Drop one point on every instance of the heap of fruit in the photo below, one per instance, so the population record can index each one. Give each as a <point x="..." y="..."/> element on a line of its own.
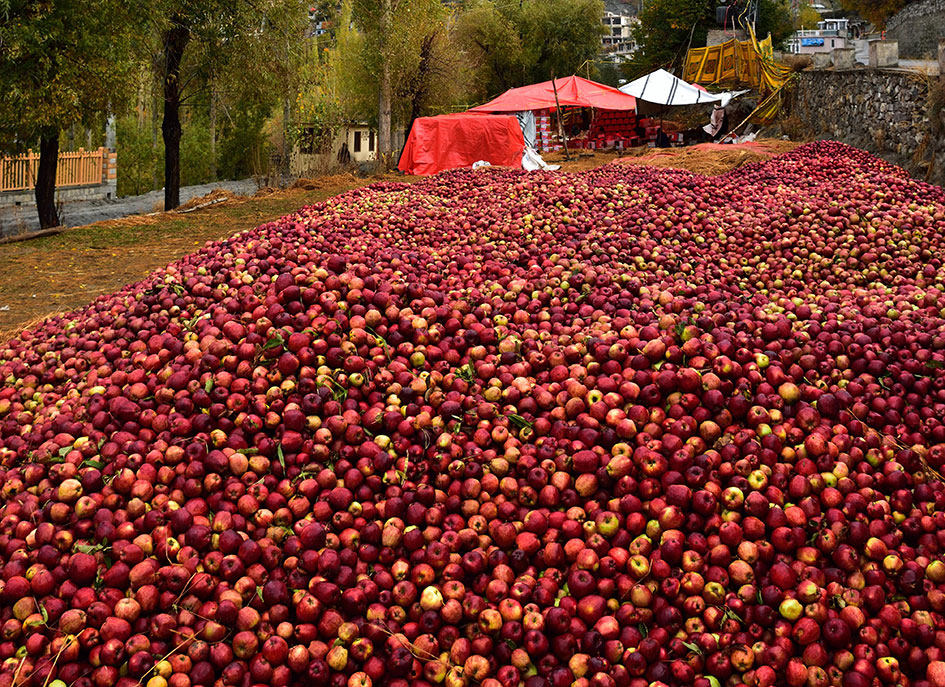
<point x="623" y="428"/>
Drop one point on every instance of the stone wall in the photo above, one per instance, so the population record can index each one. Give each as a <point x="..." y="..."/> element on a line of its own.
<point x="885" y="111"/>
<point x="918" y="28"/>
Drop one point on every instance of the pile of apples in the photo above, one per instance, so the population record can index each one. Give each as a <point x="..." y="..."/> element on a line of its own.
<point x="629" y="427"/>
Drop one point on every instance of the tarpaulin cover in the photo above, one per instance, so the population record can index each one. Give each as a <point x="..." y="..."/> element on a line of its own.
<point x="747" y="63"/>
<point x="459" y="140"/>
<point x="663" y="88"/>
<point x="573" y="91"/>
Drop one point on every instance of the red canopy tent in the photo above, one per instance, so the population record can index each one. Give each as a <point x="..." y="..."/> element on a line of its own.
<point x="459" y="140"/>
<point x="573" y="91"/>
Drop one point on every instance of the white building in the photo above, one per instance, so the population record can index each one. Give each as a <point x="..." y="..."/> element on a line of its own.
<point x="618" y="39"/>
<point x="353" y="144"/>
<point x="829" y="34"/>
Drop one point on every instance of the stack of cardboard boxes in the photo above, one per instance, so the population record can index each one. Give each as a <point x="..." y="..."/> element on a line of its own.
<point x="543" y="128"/>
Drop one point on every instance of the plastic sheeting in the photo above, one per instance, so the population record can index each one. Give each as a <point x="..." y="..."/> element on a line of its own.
<point x="459" y="140"/>
<point x="573" y="91"/>
<point x="532" y="161"/>
<point x="526" y="120"/>
<point x="662" y="88"/>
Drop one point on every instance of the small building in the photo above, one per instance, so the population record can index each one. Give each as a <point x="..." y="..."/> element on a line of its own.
<point x="353" y="144"/>
<point x="829" y="34"/>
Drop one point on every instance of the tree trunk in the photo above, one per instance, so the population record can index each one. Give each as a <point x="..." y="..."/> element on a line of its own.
<point x="285" y="163"/>
<point x="213" y="133"/>
<point x="156" y="99"/>
<point x="420" y="87"/>
<point x="175" y="40"/>
<point x="384" y="96"/>
<point x="46" y="180"/>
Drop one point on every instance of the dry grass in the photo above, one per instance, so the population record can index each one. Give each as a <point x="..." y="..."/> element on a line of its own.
<point x="797" y="62"/>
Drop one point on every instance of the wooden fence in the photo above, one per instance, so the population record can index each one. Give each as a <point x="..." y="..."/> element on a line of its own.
<point x="82" y="168"/>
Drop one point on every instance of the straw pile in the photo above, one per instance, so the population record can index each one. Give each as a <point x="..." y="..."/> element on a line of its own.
<point x="315" y="184"/>
<point x="217" y="194"/>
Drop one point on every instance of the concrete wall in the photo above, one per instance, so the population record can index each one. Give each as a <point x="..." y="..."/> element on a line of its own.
<point x="885" y="111"/>
<point x="918" y="28"/>
<point x="105" y="191"/>
<point x="719" y="36"/>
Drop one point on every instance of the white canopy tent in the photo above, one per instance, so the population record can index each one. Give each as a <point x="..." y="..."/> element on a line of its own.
<point x="662" y="88"/>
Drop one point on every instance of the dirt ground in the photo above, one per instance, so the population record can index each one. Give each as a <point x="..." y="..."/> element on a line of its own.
<point x="44" y="276"/>
<point x="709" y="158"/>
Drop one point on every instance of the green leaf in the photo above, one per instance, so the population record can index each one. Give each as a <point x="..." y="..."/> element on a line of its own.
<point x="281" y="458"/>
<point x="64" y="451"/>
<point x="208" y="385"/>
<point x="713" y="681"/>
<point x="519" y="421"/>
<point x="97" y="464"/>
<point x="274" y="341"/>
<point x="89" y="548"/>
<point x="694" y="648"/>
<point x="467" y="373"/>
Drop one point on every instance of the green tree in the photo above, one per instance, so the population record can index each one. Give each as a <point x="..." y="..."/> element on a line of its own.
<point x="513" y="44"/>
<point x="774" y="17"/>
<point x="666" y="30"/>
<point x="200" y="45"/>
<point x="493" y="40"/>
<point x="437" y="79"/>
<point x="388" y="50"/>
<point x="561" y="35"/>
<point x="62" y="63"/>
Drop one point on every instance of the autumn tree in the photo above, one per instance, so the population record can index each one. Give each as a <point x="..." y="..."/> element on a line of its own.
<point x="62" y="63"/>
<point x="807" y="17"/>
<point x="877" y="12"/>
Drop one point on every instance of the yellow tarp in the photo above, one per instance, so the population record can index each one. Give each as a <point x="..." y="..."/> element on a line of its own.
<point x="745" y="63"/>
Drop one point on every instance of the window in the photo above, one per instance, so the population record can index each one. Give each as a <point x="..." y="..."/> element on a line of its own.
<point x="370" y="146"/>
<point x="616" y="31"/>
<point x="306" y="141"/>
<point x="357" y="141"/>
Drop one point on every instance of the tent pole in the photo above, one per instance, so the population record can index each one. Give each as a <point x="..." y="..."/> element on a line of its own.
<point x="564" y="138"/>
